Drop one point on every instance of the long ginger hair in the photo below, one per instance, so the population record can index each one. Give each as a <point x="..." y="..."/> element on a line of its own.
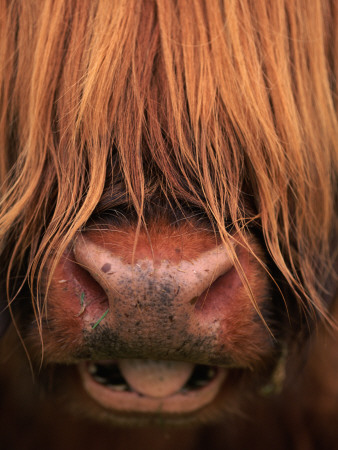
<point x="208" y="103"/>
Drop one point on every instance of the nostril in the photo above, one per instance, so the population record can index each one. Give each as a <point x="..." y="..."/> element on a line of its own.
<point x="221" y="290"/>
<point x="78" y="293"/>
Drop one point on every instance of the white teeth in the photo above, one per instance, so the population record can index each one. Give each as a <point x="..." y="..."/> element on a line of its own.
<point x="100" y="380"/>
<point x="201" y="383"/>
<point x="118" y="387"/>
<point x="92" y="369"/>
<point x="211" y="373"/>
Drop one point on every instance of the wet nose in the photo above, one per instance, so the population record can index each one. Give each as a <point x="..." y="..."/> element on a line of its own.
<point x="147" y="282"/>
<point x="163" y="307"/>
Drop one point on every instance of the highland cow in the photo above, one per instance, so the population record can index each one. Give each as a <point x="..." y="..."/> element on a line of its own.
<point x="168" y="224"/>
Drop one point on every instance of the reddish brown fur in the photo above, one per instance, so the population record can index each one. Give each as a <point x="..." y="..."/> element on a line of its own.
<point x="159" y="130"/>
<point x="166" y="243"/>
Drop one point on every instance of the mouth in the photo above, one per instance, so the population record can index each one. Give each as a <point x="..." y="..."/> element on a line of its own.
<point x="148" y="386"/>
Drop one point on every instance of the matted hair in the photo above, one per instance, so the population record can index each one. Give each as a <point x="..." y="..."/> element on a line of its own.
<point x="206" y="102"/>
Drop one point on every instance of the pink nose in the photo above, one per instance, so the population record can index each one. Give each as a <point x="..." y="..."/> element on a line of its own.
<point x="147" y="285"/>
<point x="156" y="306"/>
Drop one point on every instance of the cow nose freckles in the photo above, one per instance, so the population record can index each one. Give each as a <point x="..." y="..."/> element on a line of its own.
<point x="157" y="306"/>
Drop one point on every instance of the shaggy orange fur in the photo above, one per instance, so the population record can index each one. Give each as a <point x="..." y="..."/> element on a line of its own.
<point x="218" y="114"/>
